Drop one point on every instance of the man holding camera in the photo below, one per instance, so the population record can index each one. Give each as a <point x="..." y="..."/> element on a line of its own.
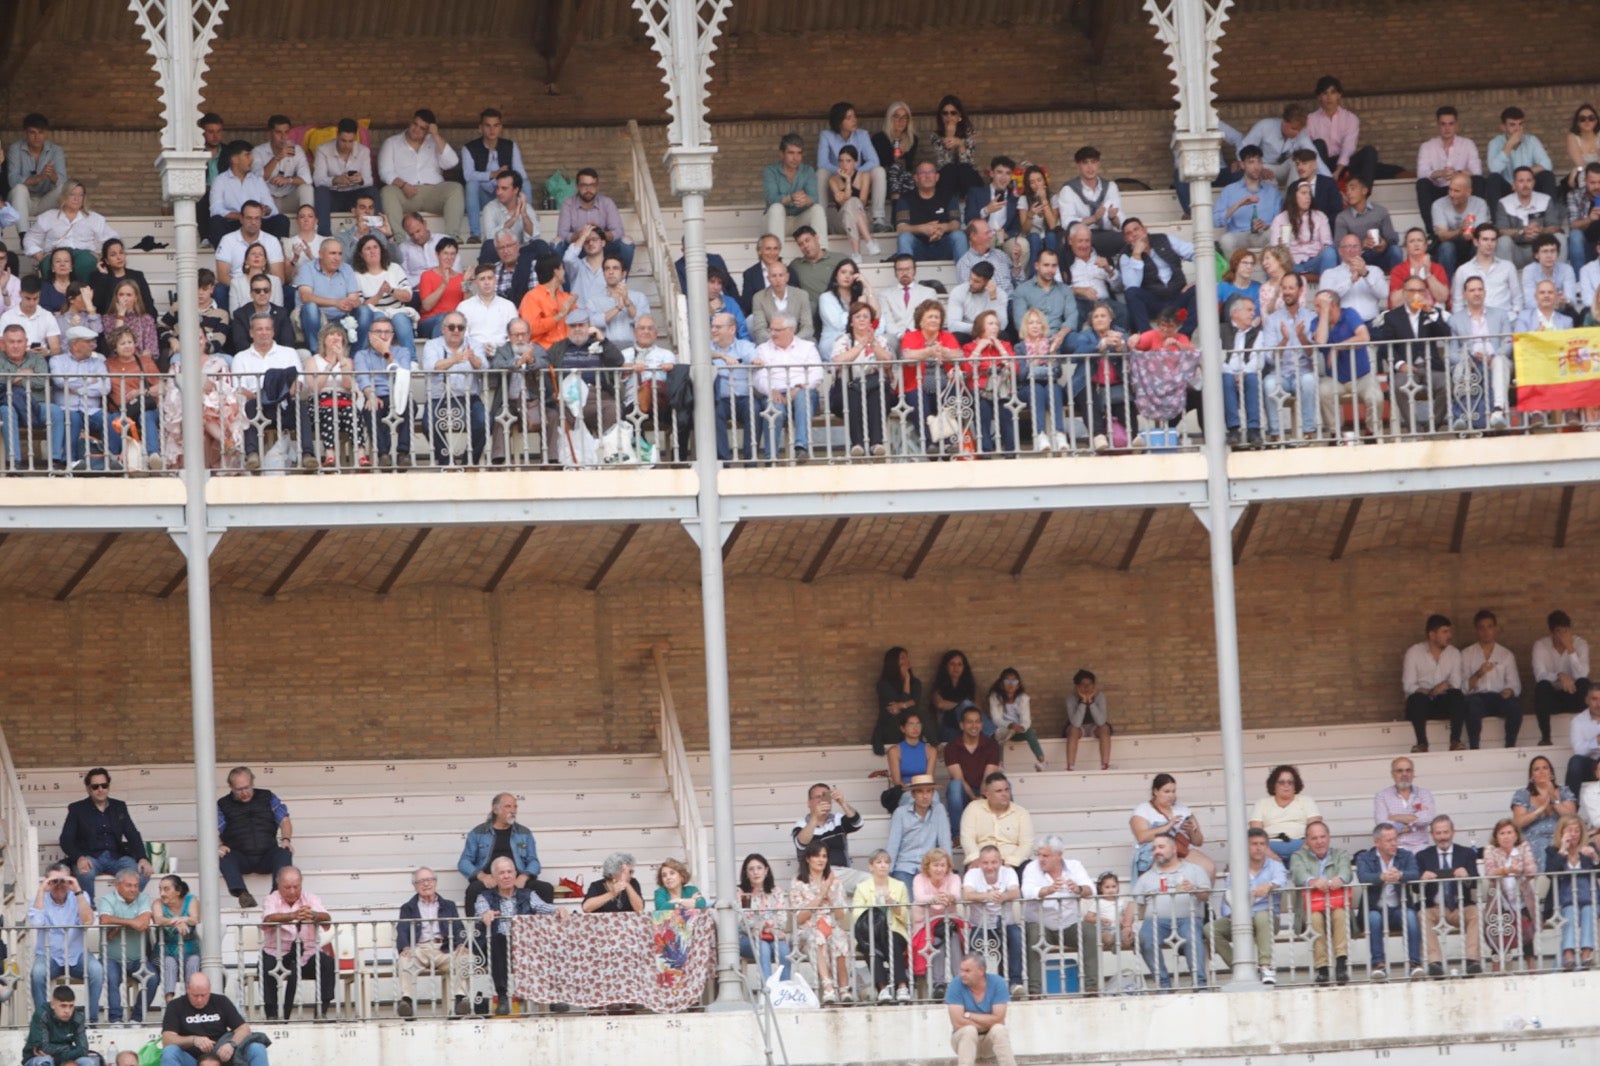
<point x="60" y="911"/>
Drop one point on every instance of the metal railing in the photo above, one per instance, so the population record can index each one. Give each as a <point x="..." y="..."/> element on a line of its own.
<point x="654" y="226"/>
<point x="1144" y="939"/>
<point x="680" y="778"/>
<point x="594" y="411"/>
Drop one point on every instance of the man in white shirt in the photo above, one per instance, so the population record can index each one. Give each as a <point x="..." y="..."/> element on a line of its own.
<point x="236" y="186"/>
<point x="789" y="371"/>
<point x="1501" y="289"/>
<point x="990" y="888"/>
<point x="897" y="303"/>
<point x="1584" y="733"/>
<point x="230" y="251"/>
<point x="283" y="165"/>
<point x="269" y="397"/>
<point x="1053" y="890"/>
<point x="1431" y="680"/>
<point x="70" y="225"/>
<point x="1090" y="199"/>
<point x="1493" y="686"/>
<point x="411" y="166"/>
<point x="1362" y="288"/>
<point x="44" y="332"/>
<point x="1524" y="216"/>
<point x="1480" y="362"/>
<point x="487" y="313"/>
<point x="979" y="293"/>
<point x="1289" y="329"/>
<point x="419" y="252"/>
<point x="1092" y="278"/>
<point x="1560" y="673"/>
<point x="341" y="170"/>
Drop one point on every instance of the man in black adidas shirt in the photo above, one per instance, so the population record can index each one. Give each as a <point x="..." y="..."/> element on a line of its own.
<point x="200" y="1023"/>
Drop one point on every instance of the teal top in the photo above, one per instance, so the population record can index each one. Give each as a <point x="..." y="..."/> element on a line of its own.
<point x="169" y="937"/>
<point x="688" y="895"/>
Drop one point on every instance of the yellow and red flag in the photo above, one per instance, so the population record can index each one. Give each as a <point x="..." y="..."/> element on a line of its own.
<point x="1558" y="370"/>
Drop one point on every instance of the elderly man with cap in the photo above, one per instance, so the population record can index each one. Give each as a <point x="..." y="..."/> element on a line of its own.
<point x="919" y="825"/>
<point x="80" y="384"/>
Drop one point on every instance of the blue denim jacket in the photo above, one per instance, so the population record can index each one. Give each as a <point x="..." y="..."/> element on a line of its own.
<point x="480" y="844"/>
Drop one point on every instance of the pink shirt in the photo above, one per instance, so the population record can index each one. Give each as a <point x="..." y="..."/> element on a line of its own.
<point x="1313" y="237"/>
<point x="1339" y="133"/>
<point x="277" y="938"/>
<point x="1461" y="155"/>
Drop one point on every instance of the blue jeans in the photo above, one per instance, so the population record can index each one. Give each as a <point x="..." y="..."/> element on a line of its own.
<point x="802" y="402"/>
<point x="1153" y="933"/>
<point x="91" y="1059"/>
<point x="955" y="801"/>
<point x="1385" y="260"/>
<point x="476" y="197"/>
<point x="46" y="970"/>
<point x="1305" y="400"/>
<point x="1383" y="920"/>
<point x="1579" y="250"/>
<point x="994" y="415"/>
<point x="117" y="973"/>
<point x="986" y="940"/>
<point x="905" y="879"/>
<point x="1252" y="400"/>
<point x="173" y="1055"/>
<point x="405" y="334"/>
<point x="1326" y="259"/>
<point x="92" y="423"/>
<point x="1284" y="849"/>
<point x="768" y="952"/>
<point x="33" y="415"/>
<point x="106" y="863"/>
<point x="950" y="246"/>
<point x="1047" y="402"/>
<point x="1577" y="926"/>
<point x="312" y="317"/>
<point x="741" y="411"/>
<point x="1038" y="242"/>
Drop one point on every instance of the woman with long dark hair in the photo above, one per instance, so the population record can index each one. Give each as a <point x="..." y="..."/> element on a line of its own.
<point x="955" y="149"/>
<point x="954" y="690"/>
<point x="846" y="288"/>
<point x="899" y="691"/>
<point x="858" y="379"/>
<point x="820" y="923"/>
<point x="764" y="928"/>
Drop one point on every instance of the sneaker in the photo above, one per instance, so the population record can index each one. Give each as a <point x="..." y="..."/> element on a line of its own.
<point x="878" y="451"/>
<point x="1253" y="438"/>
<point x="1378" y="974"/>
<point x="1018" y="991"/>
<point x="404" y="1009"/>
<point x="857" y="451"/>
<point x="1498" y="420"/>
<point x="1420" y="749"/>
<point x="872" y="248"/>
<point x="1536" y="420"/>
<point x="1101" y="442"/>
<point x="902" y="994"/>
<point x="246" y="900"/>
<point x="847" y="996"/>
<point x="1061" y="442"/>
<point x="154" y="463"/>
<point x="829" y="997"/>
<point x="880" y="225"/>
<point x="885" y="994"/>
<point x="1038" y="766"/>
<point x="1458" y="424"/>
<point x="1042" y="442"/>
<point x="309" y="462"/>
<point x="1269" y="976"/>
<point x="1417" y="972"/>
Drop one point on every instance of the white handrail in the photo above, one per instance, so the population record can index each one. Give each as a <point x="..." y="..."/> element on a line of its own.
<point x="21" y="865"/>
<point x="680" y="779"/>
<point x="648" y="205"/>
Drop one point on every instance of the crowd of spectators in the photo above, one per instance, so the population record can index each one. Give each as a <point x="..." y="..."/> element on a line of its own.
<point x="1321" y="297"/>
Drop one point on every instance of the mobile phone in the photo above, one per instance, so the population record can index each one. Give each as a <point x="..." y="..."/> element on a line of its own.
<point x="373" y="220"/>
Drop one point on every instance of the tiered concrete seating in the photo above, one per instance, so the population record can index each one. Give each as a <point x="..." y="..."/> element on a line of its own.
<point x="361" y="828"/>
<point x="1343" y="766"/>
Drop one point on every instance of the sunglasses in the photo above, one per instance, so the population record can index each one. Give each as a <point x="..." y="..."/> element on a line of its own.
<point x="1588" y="118"/>
<point x="98" y="785"/>
<point x="453" y="326"/>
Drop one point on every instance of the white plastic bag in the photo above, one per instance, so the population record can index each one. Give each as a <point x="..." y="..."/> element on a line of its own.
<point x="793" y="994"/>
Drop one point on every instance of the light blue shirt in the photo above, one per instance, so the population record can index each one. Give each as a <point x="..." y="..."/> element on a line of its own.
<point x="20" y="165"/>
<point x="373" y="371"/>
<point x="1132" y="270"/>
<point x="335" y="286"/>
<point x="1239" y="222"/>
<point x="1276" y="149"/>
<point x="1529" y="152"/>
<point x="1271" y="873"/>
<point x="63" y="945"/>
<point x="829" y="143"/>
<point x="911" y="835"/>
<point x="731" y="382"/>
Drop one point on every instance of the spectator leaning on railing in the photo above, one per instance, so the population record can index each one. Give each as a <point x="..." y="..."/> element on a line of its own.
<point x="59" y="913"/>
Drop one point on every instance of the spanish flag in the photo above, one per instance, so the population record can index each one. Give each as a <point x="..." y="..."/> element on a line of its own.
<point x="1558" y="370"/>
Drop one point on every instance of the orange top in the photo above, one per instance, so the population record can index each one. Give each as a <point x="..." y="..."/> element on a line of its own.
<point x="539" y="310"/>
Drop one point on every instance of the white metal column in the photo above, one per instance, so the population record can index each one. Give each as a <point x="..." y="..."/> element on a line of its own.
<point x="1190" y="30"/>
<point x="179" y="33"/>
<point x="684" y="34"/>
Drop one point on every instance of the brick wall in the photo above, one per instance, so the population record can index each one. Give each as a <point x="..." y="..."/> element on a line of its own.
<point x="436" y="671"/>
<point x="766" y="84"/>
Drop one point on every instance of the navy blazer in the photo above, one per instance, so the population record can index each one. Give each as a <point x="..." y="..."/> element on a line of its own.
<point x="77" y="838"/>
<point x="1369" y="868"/>
<point x="1462" y="857"/>
<point x="450" y="927"/>
<point x="982" y="195"/>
